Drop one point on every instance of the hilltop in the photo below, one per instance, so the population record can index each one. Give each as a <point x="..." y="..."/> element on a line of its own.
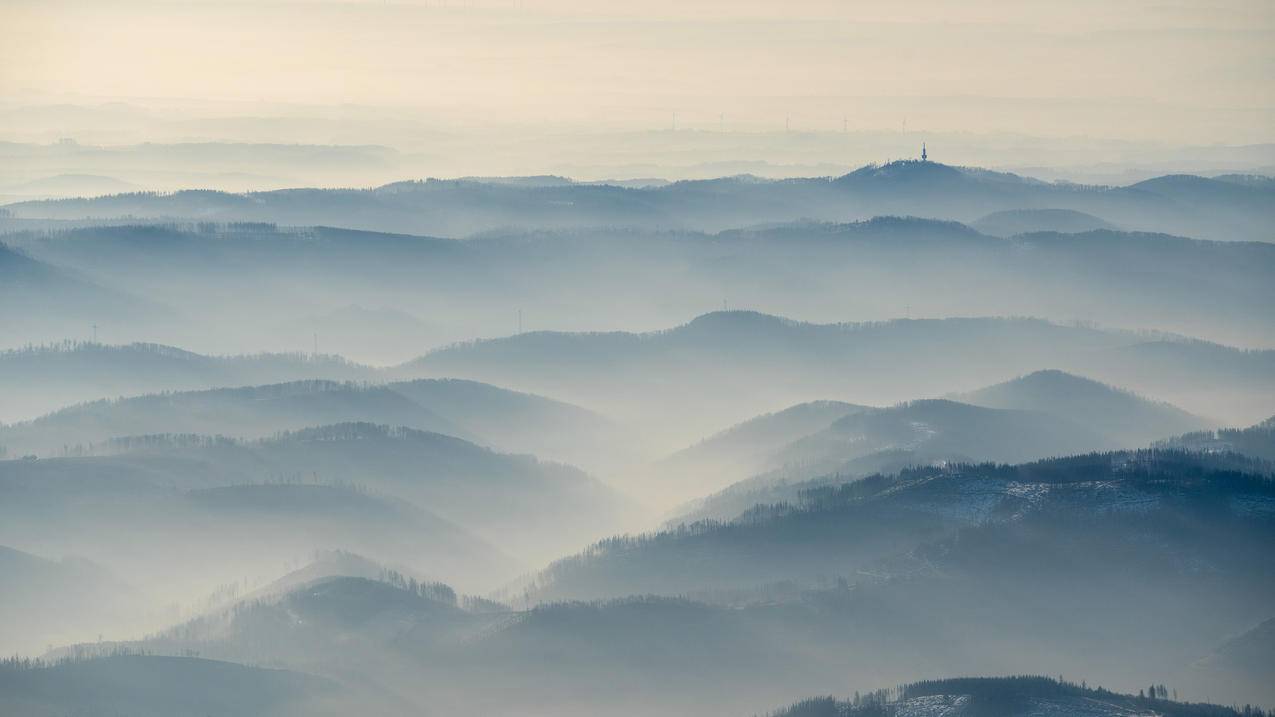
<point x="1123" y="416"/>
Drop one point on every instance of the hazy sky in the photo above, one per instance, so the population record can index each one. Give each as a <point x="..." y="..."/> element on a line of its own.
<point x="1181" y="71"/>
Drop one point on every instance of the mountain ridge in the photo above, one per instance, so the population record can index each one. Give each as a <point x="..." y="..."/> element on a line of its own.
<point x="905" y="186"/>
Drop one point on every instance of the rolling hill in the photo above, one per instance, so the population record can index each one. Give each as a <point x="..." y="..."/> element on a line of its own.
<point x="1128" y="419"/>
<point x="523" y="422"/>
<point x="251" y="412"/>
<point x="180" y="530"/>
<point x="742" y="363"/>
<point x="940" y="430"/>
<point x="498" y="417"/>
<point x="831" y="527"/>
<point x="1028" y="221"/>
<point x="534" y="509"/>
<point x="40" y="379"/>
<point x="1046" y="413"/>
<point x="867" y="440"/>
<point x="746" y="448"/>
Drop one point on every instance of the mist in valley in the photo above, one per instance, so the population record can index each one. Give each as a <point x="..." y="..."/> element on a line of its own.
<point x="564" y="358"/>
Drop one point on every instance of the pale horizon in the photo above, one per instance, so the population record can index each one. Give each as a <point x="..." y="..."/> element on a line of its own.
<point x="1185" y="73"/>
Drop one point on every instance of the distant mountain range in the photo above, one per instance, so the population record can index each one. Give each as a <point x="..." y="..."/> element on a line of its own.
<point x="40" y="379"/>
<point x="68" y="185"/>
<point x="280" y="281"/>
<point x="636" y="375"/>
<point x="493" y="416"/>
<point x="248" y="412"/>
<point x="742" y="363"/>
<point x="1197" y="206"/>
